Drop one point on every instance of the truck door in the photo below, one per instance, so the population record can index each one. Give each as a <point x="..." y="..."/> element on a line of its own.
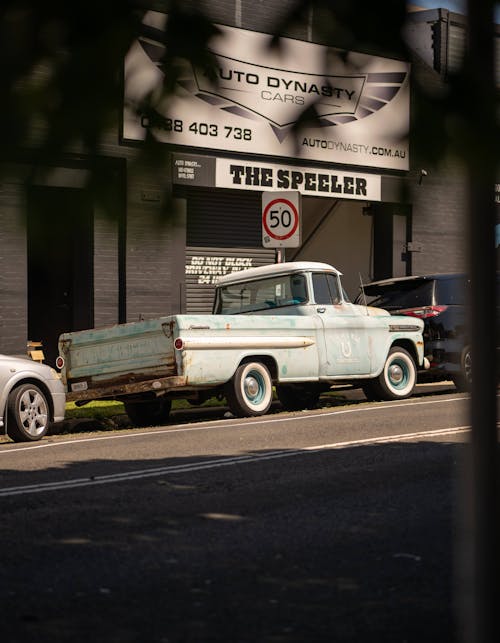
<point x="346" y="349"/>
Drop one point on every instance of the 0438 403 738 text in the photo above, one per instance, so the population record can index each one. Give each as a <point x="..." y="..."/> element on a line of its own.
<point x="198" y="128"/>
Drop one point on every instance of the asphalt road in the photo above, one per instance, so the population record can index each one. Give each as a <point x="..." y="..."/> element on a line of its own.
<point x="333" y="525"/>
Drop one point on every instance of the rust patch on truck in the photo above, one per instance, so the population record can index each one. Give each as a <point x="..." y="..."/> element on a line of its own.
<point x="117" y="389"/>
<point x="168" y="329"/>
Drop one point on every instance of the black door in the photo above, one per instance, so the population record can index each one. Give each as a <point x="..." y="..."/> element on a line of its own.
<point x="60" y="264"/>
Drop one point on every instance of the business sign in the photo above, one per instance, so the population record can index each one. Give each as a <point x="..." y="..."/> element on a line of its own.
<point x="207" y="171"/>
<point x="309" y="181"/>
<point x="281" y="220"/>
<point x="362" y="101"/>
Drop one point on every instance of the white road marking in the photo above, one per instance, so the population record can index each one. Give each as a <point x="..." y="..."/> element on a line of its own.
<point x="228" y="424"/>
<point x="219" y="462"/>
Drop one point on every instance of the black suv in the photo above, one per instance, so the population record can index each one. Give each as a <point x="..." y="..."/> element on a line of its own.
<point x="440" y="301"/>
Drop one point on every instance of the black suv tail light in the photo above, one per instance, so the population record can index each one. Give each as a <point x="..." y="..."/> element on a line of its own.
<point x="424" y="312"/>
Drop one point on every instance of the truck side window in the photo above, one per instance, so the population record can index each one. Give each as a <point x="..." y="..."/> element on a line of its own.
<point x="325" y="289"/>
<point x="333" y="285"/>
<point x="299" y="293"/>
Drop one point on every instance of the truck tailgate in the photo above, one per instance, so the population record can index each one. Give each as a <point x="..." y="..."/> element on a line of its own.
<point x="123" y="353"/>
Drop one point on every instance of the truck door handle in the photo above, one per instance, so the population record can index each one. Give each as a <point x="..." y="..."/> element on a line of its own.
<point x="320" y="310"/>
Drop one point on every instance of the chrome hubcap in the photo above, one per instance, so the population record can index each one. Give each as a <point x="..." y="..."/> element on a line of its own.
<point x="396" y="373"/>
<point x="251" y="386"/>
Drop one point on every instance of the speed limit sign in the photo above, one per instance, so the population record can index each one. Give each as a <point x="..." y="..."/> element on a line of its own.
<point x="281" y="219"/>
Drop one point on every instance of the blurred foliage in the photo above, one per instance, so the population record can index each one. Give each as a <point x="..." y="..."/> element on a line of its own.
<point x="61" y="65"/>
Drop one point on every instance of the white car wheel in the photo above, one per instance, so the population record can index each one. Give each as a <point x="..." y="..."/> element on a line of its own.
<point x="28" y="414"/>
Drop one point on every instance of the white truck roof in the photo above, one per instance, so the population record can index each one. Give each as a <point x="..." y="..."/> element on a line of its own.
<point x="276" y="269"/>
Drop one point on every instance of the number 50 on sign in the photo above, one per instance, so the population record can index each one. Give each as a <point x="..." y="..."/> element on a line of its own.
<point x="281" y="220"/>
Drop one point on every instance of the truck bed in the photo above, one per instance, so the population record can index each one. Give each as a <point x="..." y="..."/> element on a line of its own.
<point x="107" y="362"/>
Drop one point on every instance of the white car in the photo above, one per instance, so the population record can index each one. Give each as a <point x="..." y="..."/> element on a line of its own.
<point x="32" y="396"/>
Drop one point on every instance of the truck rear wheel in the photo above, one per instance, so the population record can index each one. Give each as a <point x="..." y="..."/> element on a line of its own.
<point x="148" y="412"/>
<point x="250" y="391"/>
<point x="397" y="379"/>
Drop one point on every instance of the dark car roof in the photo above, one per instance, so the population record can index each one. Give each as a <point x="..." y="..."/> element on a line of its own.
<point x="438" y="276"/>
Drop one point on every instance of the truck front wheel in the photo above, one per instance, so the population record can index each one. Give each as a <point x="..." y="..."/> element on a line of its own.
<point x="148" y="412"/>
<point x="250" y="391"/>
<point x="398" y="377"/>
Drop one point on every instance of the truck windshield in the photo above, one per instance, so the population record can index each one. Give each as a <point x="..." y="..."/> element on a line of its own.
<point x="261" y="294"/>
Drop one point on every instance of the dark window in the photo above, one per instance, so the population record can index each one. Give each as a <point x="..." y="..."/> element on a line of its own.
<point x="325" y="289"/>
<point x="414" y="293"/>
<point x="402" y="294"/>
<point x="452" y="291"/>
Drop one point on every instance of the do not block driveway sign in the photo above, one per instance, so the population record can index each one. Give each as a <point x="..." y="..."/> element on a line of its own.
<point x="281" y="219"/>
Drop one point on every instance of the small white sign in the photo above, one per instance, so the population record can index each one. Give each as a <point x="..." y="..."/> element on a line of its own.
<point x="281" y="224"/>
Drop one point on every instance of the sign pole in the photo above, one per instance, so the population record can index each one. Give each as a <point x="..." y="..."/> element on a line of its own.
<point x="279" y="255"/>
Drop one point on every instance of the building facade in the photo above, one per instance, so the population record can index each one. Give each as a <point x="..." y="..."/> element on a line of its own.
<point x="155" y="239"/>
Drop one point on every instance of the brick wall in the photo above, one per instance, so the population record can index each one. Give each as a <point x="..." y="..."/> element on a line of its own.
<point x="254" y="15"/>
<point x="13" y="268"/>
<point x="151" y="250"/>
<point x="438" y="199"/>
<point x="105" y="270"/>
<point x="439" y="220"/>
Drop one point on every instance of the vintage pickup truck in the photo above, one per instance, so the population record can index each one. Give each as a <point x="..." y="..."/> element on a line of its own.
<point x="287" y="327"/>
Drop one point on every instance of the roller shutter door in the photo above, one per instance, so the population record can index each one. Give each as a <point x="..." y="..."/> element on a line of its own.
<point x="223" y="234"/>
<point x="224" y="218"/>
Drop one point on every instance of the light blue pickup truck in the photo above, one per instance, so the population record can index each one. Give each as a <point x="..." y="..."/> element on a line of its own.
<point x="287" y="326"/>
